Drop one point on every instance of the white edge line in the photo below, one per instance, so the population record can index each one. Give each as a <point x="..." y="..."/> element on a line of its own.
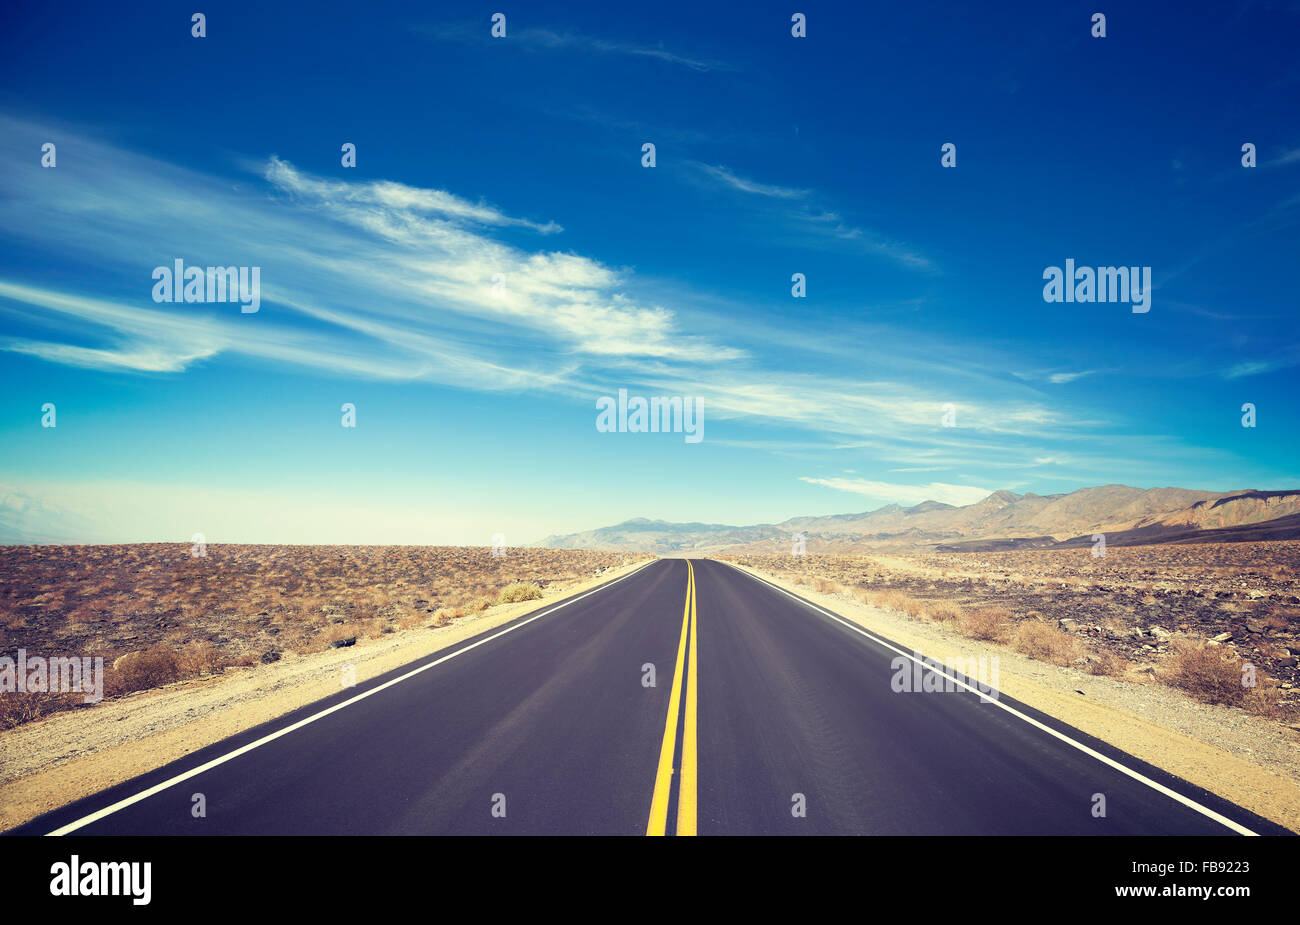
<point x="1140" y="778"/>
<point x="229" y="756"/>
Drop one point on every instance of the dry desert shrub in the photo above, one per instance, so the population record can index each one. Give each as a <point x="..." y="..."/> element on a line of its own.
<point x="336" y="631"/>
<point x="198" y="658"/>
<point x="943" y="611"/>
<point x="1264" y="698"/>
<point x="1105" y="663"/>
<point x="987" y="623"/>
<point x="1045" y="643"/>
<point x="412" y="619"/>
<point x="890" y="600"/>
<point x="137" y="671"/>
<point x="914" y="607"/>
<point x="297" y="638"/>
<point x="306" y="641"/>
<point x="519" y="591"/>
<point x="1208" y="673"/>
<point x="18" y="707"/>
<point x="163" y="663"/>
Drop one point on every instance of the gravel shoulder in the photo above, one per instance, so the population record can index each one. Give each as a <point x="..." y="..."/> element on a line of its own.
<point x="1251" y="761"/>
<point x="69" y="755"/>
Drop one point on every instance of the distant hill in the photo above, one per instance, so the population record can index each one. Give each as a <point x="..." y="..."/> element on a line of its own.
<point x="1003" y="520"/>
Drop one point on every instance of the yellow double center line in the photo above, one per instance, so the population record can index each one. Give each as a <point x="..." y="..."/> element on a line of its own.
<point x="686" y="787"/>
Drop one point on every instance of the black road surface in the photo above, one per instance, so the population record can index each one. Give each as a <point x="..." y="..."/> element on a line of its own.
<point x="788" y="722"/>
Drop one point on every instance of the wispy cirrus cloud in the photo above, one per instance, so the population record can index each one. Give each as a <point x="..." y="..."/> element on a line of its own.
<point x="542" y="39"/>
<point x="396" y="199"/>
<point x="797" y="208"/>
<point x="1259" y="367"/>
<point x="745" y="185"/>
<point x="830" y="224"/>
<point x="552" y="40"/>
<point x="414" y="270"/>
<point x="957" y="495"/>
<point x="1291" y="156"/>
<point x="1063" y="378"/>
<point x="384" y="281"/>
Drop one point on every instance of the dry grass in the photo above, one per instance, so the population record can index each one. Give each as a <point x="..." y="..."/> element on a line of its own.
<point x="1208" y="673"/>
<point x="1105" y="663"/>
<point x="1128" y="609"/>
<point x="519" y="591"/>
<point x="891" y="600"/>
<point x="18" y="708"/>
<point x="1213" y="675"/>
<point x="991" y="624"/>
<point x="943" y="611"/>
<point x="1045" y="643"/>
<point x="914" y="607"/>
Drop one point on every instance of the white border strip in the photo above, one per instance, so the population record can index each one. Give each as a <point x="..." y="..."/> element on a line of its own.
<point x="1140" y="778"/>
<point x="230" y="756"/>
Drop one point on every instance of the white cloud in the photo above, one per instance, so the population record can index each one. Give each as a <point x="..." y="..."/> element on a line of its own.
<point x="386" y="281"/>
<point x="906" y="495"/>
<point x="1257" y="367"/>
<point x="396" y="199"/>
<point x="540" y="39"/>
<point x="1062" y="378"/>
<point x="831" y="225"/>
<point x="411" y="268"/>
<point x="725" y="176"/>
<point x="819" y="224"/>
<point x="1286" y="157"/>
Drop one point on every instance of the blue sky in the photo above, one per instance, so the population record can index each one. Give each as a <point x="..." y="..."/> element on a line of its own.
<point x="522" y="156"/>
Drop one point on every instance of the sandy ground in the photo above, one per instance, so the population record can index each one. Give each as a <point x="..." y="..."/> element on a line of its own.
<point x="69" y="755"/>
<point x="1253" y="762"/>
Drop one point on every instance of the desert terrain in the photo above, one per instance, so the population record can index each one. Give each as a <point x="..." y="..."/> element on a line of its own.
<point x="1199" y="617"/>
<point x="156" y="613"/>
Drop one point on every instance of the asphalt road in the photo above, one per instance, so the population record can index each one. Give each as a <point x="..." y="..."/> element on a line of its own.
<point x="766" y="715"/>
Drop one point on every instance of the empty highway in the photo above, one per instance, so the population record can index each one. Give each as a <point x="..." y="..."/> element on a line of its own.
<point x="687" y="697"/>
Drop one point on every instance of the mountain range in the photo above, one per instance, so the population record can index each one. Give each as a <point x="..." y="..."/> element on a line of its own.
<point x="1003" y="520"/>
